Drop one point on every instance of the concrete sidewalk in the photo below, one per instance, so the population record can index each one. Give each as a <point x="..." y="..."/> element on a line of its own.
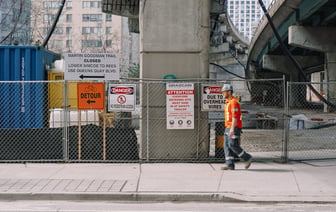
<point x="309" y="181"/>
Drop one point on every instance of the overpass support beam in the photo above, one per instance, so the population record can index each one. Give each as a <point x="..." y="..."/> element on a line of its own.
<point x="318" y="39"/>
<point x="283" y="64"/>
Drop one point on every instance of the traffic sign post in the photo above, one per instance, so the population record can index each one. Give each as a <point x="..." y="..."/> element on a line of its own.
<point x="90" y="96"/>
<point x="91" y="66"/>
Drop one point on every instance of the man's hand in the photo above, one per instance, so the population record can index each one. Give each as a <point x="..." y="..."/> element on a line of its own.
<point x="231" y="133"/>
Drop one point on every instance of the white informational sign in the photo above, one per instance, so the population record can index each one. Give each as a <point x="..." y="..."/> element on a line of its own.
<point x="180" y="105"/>
<point x="121" y="97"/>
<point x="212" y="98"/>
<point x="91" y="66"/>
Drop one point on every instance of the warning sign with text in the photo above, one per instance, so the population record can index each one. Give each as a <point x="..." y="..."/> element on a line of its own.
<point x="91" y="66"/>
<point x="121" y="97"/>
<point x="91" y="96"/>
<point x="212" y="98"/>
<point x="180" y="105"/>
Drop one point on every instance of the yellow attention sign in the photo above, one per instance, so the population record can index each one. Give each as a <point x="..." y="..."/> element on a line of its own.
<point x="91" y="96"/>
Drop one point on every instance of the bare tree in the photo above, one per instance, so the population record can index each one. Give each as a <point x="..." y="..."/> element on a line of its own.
<point x="37" y="35"/>
<point x="15" y="22"/>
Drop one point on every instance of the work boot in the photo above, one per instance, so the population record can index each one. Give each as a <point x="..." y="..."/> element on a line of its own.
<point x="248" y="163"/>
<point x="226" y="167"/>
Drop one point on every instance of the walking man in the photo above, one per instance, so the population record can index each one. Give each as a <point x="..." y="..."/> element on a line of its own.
<point x="233" y="127"/>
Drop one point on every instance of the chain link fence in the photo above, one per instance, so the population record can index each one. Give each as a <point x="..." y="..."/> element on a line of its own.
<point x="45" y="121"/>
<point x="42" y="121"/>
<point x="312" y="123"/>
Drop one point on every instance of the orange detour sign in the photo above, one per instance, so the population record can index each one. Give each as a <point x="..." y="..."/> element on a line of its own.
<point x="91" y="96"/>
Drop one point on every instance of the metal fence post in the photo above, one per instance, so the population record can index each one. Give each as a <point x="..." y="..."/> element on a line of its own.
<point x="65" y="122"/>
<point x="198" y="115"/>
<point x="284" y="156"/>
<point x="147" y="130"/>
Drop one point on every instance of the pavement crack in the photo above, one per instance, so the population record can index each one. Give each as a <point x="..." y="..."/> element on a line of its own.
<point x="139" y="178"/>
<point x="123" y="185"/>
<point x="296" y="181"/>
<point x="220" y="182"/>
<point x="212" y="166"/>
<point x="55" y="173"/>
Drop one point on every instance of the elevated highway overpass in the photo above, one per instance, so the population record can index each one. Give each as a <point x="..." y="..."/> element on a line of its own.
<point x="307" y="28"/>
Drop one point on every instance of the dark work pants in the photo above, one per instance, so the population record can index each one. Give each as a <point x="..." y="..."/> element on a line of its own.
<point x="232" y="147"/>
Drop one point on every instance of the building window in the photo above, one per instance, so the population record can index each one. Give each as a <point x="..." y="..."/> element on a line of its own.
<point x="91" y="43"/>
<point x="108" y="43"/>
<point x="91" y="30"/>
<point x="92" y="17"/>
<point x="48" y="18"/>
<point x="45" y="30"/>
<point x="108" y="17"/>
<point x="69" y="18"/>
<point x="91" y="4"/>
<point x="51" y="4"/>
<point x="108" y="30"/>
<point x="57" y="44"/>
<point x="69" y="30"/>
<point x="61" y="19"/>
<point x="69" y="4"/>
<point x="68" y="43"/>
<point x="58" y="30"/>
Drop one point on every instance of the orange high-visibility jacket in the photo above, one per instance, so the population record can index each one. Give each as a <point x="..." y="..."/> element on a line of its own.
<point x="232" y="109"/>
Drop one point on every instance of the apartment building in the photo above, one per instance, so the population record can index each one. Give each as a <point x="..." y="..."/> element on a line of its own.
<point x="83" y="27"/>
<point x="246" y="14"/>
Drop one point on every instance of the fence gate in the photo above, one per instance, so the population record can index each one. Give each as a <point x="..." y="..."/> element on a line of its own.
<point x="312" y="123"/>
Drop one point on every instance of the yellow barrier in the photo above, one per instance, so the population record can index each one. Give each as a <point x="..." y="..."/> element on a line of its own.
<point x="56" y="92"/>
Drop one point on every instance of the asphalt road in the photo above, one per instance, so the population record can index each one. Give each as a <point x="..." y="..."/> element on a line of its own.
<point x="103" y="206"/>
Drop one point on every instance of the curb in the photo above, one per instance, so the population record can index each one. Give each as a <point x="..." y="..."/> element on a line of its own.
<point x="171" y="197"/>
<point x="146" y="197"/>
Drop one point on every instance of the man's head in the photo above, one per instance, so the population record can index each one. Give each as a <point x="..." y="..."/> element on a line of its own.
<point x="227" y="90"/>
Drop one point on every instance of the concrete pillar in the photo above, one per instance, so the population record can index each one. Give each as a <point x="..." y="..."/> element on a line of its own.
<point x="318" y="39"/>
<point x="174" y="40"/>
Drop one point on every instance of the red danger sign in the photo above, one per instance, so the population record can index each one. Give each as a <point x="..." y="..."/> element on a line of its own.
<point x="121" y="90"/>
<point x="211" y="90"/>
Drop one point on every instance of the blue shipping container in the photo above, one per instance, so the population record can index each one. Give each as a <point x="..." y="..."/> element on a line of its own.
<point x="24" y="104"/>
